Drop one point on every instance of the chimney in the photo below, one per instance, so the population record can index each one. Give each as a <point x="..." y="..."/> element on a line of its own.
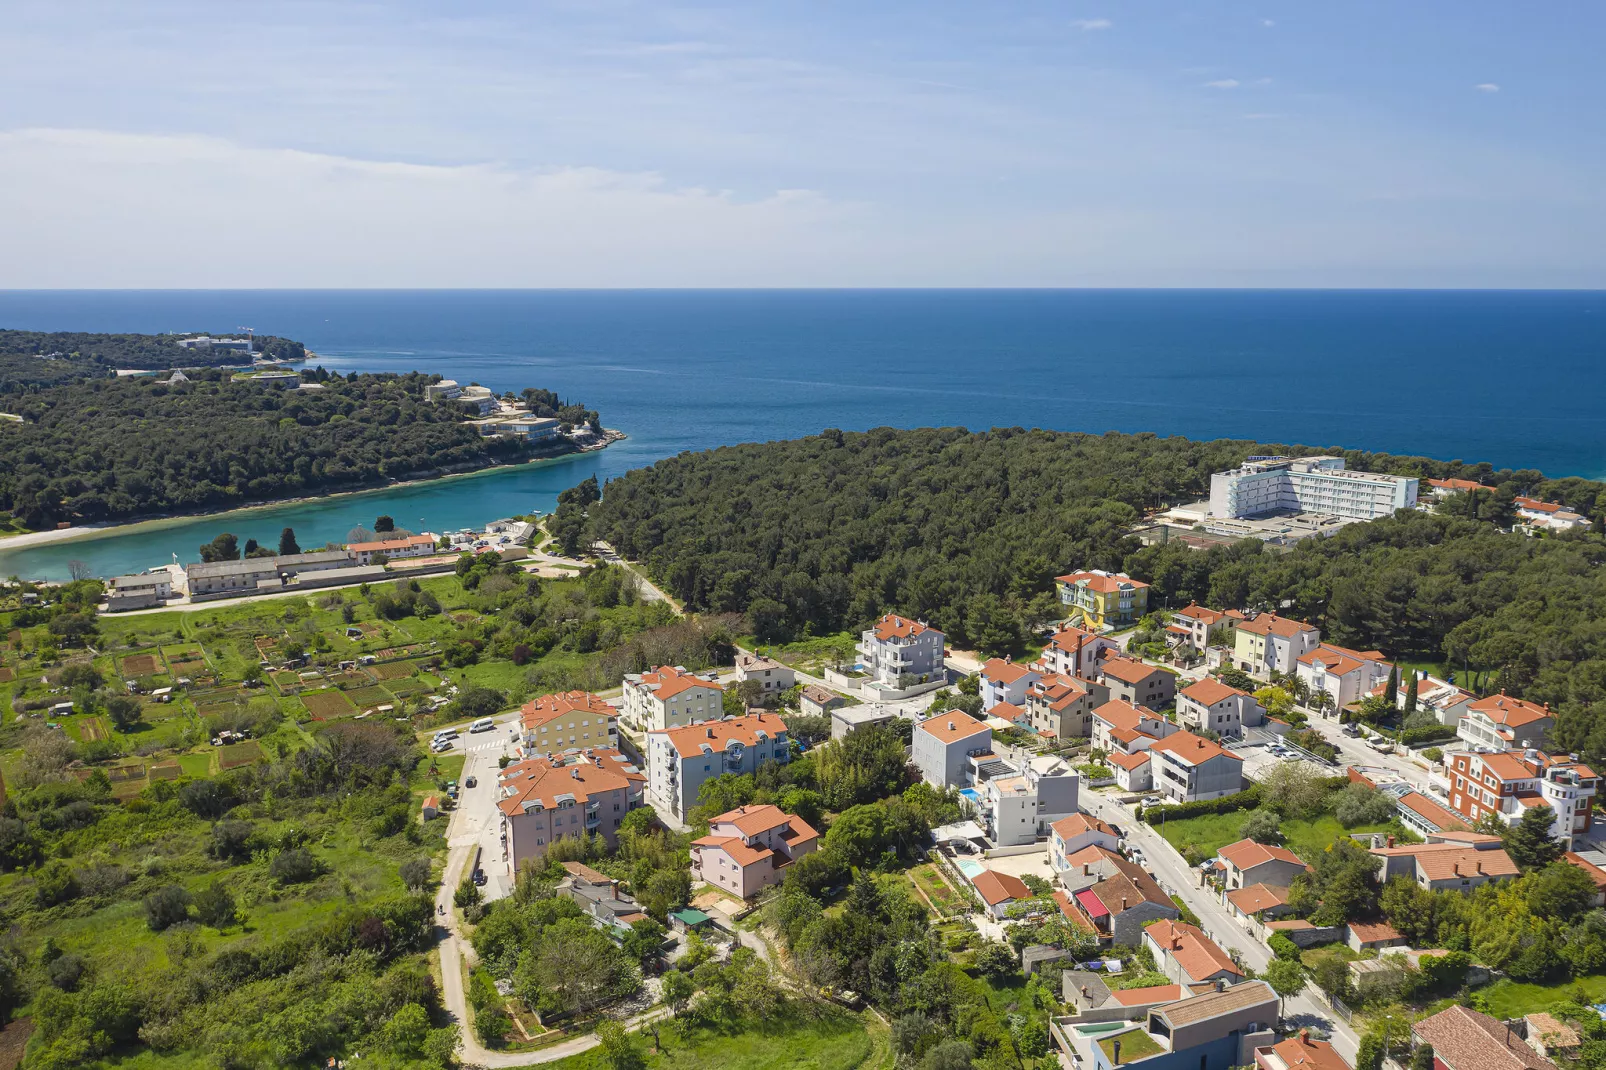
<point x="1115" y="1048"/>
<point x="950" y="726"/>
<point x="1304" y="1036"/>
<point x="1478" y="867"/>
<point x="1391" y="841"/>
<point x="709" y="732"/>
<point x="1123" y="902"/>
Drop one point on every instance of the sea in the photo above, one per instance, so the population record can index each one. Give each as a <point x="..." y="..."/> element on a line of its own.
<point x="1516" y="378"/>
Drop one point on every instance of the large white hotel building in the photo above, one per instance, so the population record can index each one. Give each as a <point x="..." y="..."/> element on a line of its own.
<point x="1308" y="485"/>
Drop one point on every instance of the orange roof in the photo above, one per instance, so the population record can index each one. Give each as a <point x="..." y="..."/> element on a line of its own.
<point x="1509" y="711"/>
<point x="1194" y="952"/>
<point x="1076" y="824"/>
<point x="1466" y="862"/>
<point x="390" y="544"/>
<point x="1127" y="761"/>
<point x="1455" y="484"/>
<point x="1331" y="660"/>
<point x="1072" y="913"/>
<point x="432" y="802"/>
<point x="1537" y="506"/>
<point x="1005" y="672"/>
<point x="1469" y="1040"/>
<point x="1093" y="854"/>
<point x="753" y="820"/>
<point x="1258" y="897"/>
<point x="1058" y="691"/>
<point x="998" y="888"/>
<point x="1127" y="889"/>
<point x="1507" y="766"/>
<point x="1194" y="611"/>
<point x="1128" y="670"/>
<point x="1068" y="639"/>
<point x="1122" y="715"/>
<point x="1007" y="711"/>
<point x="550" y="707"/>
<point x="1272" y="624"/>
<point x="1209" y="691"/>
<point x="1192" y="749"/>
<point x="689" y="740"/>
<point x="667" y="681"/>
<point x="1300" y="1052"/>
<point x="1430" y="811"/>
<point x="953" y="726"/>
<point x="740" y="852"/>
<point x="1102" y="583"/>
<point x="542" y="783"/>
<point x="1594" y="872"/>
<point x="585" y="872"/>
<point x="1137" y="997"/>
<point x="1247" y="854"/>
<point x="893" y="626"/>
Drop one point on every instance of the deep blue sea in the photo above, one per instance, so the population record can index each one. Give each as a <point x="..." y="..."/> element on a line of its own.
<point x="1512" y="377"/>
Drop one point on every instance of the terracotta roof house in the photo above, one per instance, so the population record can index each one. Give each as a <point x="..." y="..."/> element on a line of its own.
<point x="1211" y="704"/>
<point x="1077" y="652"/>
<point x="1186" y="955"/>
<point x="1187" y="768"/>
<point x="1372" y="935"/>
<point x="670" y="697"/>
<point x="1300" y="1052"/>
<point x="1091" y="865"/>
<point x="1263" y="900"/>
<point x="1593" y="872"/>
<point x="1138" y="683"/>
<point x="1061" y="706"/>
<point x="1071" y="834"/>
<point x="1133" y="772"/>
<point x="1504" y="721"/>
<point x="1547" y="1034"/>
<point x="748" y="849"/>
<point x="896" y="649"/>
<point x="680" y="760"/>
<point x="1247" y="862"/>
<point x="1122" y="904"/>
<point x="575" y="793"/>
<point x="568" y="719"/>
<point x="999" y="890"/>
<point x="1122" y="726"/>
<point x="1426" y="817"/>
<point x="1465" y="1039"/>
<point x="1003" y="680"/>
<point x="943" y="744"/>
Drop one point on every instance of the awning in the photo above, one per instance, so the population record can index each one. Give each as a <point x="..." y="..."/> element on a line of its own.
<point x="1091" y="904"/>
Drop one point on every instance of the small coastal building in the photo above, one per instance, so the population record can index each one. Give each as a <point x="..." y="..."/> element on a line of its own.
<point x="139" y="591"/>
<point x="1300" y="1052"/>
<point x="568" y="719"/>
<point x="1549" y="516"/>
<point x="393" y="549"/>
<point x="1119" y="907"/>
<point x="999" y="891"/>
<point x="770" y="674"/>
<point x="944" y="744"/>
<point x="1133" y="772"/>
<point x="231" y="577"/>
<point x="1089" y="866"/>
<point x="1102" y="601"/>
<point x="669" y="696"/>
<point x="898" y="650"/>
<point x="681" y="759"/>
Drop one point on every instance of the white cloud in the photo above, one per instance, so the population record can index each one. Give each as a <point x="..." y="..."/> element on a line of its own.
<point x="184" y="211"/>
<point x="1487" y="87"/>
<point x="1092" y="24"/>
<point x="1268" y="22"/>
<point x="1223" y="83"/>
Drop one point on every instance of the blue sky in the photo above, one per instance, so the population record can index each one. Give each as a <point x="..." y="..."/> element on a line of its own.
<point x="827" y="144"/>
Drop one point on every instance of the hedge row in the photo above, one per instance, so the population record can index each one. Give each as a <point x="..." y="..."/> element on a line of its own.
<point x="1432" y="733"/>
<point x="1243" y="800"/>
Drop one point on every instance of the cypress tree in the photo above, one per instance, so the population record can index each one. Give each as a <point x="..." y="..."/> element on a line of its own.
<point x="1410" y="695"/>
<point x="1392" y="690"/>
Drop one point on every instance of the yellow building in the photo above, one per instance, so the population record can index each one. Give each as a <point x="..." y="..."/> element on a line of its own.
<point x="1103" y="601"/>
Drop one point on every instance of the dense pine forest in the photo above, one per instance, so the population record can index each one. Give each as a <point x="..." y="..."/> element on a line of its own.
<point x="112" y="449"/>
<point x="47" y="358"/>
<point x="966" y="530"/>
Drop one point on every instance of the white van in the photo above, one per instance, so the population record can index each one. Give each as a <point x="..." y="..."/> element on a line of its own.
<point x="445" y="733"/>
<point x="484" y="724"/>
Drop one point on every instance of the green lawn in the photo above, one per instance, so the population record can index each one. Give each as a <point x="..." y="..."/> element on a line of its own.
<point x="1510" y="999"/>
<point x="839" y="1041"/>
<point x="1211" y="832"/>
<point x="1135" y="1044"/>
<point x="1310" y="956"/>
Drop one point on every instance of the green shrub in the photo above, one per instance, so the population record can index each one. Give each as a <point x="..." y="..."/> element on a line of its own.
<point x="1243" y="800"/>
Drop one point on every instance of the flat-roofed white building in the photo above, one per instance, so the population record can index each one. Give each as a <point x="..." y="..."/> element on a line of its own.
<point x="1308" y="485"/>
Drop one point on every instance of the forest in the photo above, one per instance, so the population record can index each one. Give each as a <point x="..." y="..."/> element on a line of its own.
<point x="44" y="358"/>
<point x="112" y="449"/>
<point x="967" y="530"/>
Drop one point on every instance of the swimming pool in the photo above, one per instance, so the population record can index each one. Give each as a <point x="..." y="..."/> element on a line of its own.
<point x="971" y="794"/>
<point x="969" y="867"/>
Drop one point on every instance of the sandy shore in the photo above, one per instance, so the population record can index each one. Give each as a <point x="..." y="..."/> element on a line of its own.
<point x="81" y="531"/>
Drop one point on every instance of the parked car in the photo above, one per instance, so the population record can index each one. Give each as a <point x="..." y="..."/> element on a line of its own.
<point x="470" y="782"/>
<point x="1352" y="729"/>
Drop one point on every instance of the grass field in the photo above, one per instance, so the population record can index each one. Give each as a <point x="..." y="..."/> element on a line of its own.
<point x="1510" y="999"/>
<point x="1211" y="832"/>
<point x="839" y="1041"/>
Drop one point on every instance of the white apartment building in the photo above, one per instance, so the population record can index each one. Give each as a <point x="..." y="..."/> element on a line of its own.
<point x="898" y="648"/>
<point x="1347" y="675"/>
<point x="1021" y="805"/>
<point x="1003" y="680"/>
<point x="1308" y="485"/>
<point x="770" y="674"/>
<point x="1078" y="652"/>
<point x="680" y="760"/>
<point x="669" y="697"/>
<point x="1502" y="721"/>
<point x="1211" y="704"/>
<point x="943" y="745"/>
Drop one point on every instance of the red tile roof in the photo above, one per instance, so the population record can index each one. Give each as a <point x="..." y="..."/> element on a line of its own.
<point x="1192" y="749"/>
<point x="550" y="707"/>
<point x="1594" y="872"/>
<point x="1209" y="691"/>
<point x="1005" y="672"/>
<point x="689" y="740"/>
<point x="1068" y="639"/>
<point x="542" y="782"/>
<point x="1369" y="932"/>
<point x="1430" y="811"/>
<point x="953" y="726"/>
<point x="1464" y="1039"/>
<point x="1258" y="897"/>
<point x="1300" y="1052"/>
<point x="1510" y="711"/>
<point x="667" y="681"/>
<point x="1138" y="997"/>
<point x="383" y="545"/>
<point x="1455" y="484"/>
<point x="1127" y="761"/>
<point x="1194" y="611"/>
<point x="1465" y="863"/>
<point x="1118" y="714"/>
<point x="1247" y="854"/>
<point x="893" y="626"/>
<point x="1128" y="670"/>
<point x="998" y="888"/>
<point x="1272" y="624"/>
<point x="1072" y="914"/>
<point x="1103" y="584"/>
<point x="1194" y="952"/>
<point x="1069" y="827"/>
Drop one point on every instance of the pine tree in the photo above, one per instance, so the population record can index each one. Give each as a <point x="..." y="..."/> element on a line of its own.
<point x="1529" y="842"/>
<point x="287" y="542"/>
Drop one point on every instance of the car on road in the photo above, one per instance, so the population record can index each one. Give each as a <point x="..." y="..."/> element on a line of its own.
<point x="1352" y="729"/>
<point x="469" y="782"/>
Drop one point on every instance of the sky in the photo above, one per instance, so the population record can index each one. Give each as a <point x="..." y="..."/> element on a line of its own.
<point x="615" y="144"/>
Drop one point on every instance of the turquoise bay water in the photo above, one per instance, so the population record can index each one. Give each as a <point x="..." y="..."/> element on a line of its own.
<point x="1511" y="377"/>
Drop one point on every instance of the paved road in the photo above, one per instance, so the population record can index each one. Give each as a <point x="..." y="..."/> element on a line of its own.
<point x="1177" y="878"/>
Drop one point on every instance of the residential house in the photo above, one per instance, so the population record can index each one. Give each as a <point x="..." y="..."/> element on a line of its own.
<point x="1090" y="865"/>
<point x="568" y="719"/>
<point x="999" y="891"/>
<point x="1549" y="516"/>
<point x="898" y="650"/>
<point x="680" y="760"/>
<point x="943" y="745"/>
<point x="816" y="701"/>
<point x="1593" y="872"/>
<point x="1501" y="722"/>
<point x="1443" y="488"/>
<point x="1120" y="906"/>
<point x="669" y="697"/>
<point x="1448" y="866"/>
<point x="1103" y="601"/>
<point x="576" y="793"/>
<point x="599" y="896"/>
<point x="1138" y="683"/>
<point x="1371" y="936"/>
<point x="1465" y="1039"/>
<point x="1187" y="768"/>
<point x="769" y="673"/>
<point x="1300" y="1052"/>
<point x="1077" y="652"/>
<point x="1247" y="863"/>
<point x="748" y="849"/>
<point x="1265" y="642"/>
<point x="1086" y="991"/>
<point x="1122" y="727"/>
<point x="1061" y="706"/>
<point x="1072" y="834"/>
<point x="1202" y="628"/>
<point x="1259" y="901"/>
<point x="393" y="549"/>
<point x="1004" y="681"/>
<point x="1021" y="800"/>
<point x="1347" y="675"/>
<point x="1133" y="772"/>
<point x="1186" y="955"/>
<point x="1213" y="1031"/>
<point x="1400" y="860"/>
<point x="1447" y="702"/>
<point x="1211" y="704"/>
<point x="846" y="720"/>
<point x="1508" y="783"/>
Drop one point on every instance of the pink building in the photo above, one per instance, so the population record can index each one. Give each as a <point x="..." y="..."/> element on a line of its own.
<point x="576" y="793"/>
<point x="747" y="849"/>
